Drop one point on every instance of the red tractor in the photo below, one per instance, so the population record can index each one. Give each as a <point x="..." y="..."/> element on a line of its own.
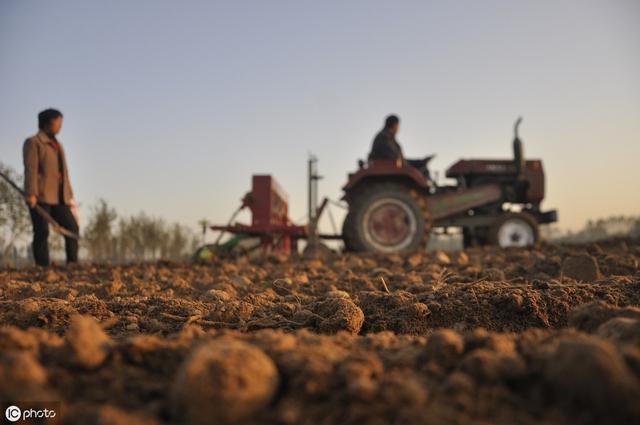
<point x="394" y="206"/>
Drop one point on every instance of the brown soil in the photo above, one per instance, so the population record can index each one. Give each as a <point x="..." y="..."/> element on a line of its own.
<point x="482" y="336"/>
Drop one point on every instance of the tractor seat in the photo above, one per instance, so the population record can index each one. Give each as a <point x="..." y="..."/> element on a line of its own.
<point x="421" y="164"/>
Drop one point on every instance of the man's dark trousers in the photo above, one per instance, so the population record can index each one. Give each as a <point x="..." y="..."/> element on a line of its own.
<point x="62" y="214"/>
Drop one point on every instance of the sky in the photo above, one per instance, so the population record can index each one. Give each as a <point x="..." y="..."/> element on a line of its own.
<point x="170" y="107"/>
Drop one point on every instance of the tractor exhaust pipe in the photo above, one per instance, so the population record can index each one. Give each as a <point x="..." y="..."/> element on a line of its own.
<point x="518" y="151"/>
<point x="312" y="192"/>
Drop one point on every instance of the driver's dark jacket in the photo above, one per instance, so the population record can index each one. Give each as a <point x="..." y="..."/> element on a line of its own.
<point x="385" y="146"/>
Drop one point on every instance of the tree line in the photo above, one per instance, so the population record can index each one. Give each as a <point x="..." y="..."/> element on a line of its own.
<point x="595" y="230"/>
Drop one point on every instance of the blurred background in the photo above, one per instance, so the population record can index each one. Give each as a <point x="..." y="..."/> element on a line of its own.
<point x="170" y="107"/>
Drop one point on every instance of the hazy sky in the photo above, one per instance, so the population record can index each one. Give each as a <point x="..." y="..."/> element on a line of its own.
<point x="170" y="106"/>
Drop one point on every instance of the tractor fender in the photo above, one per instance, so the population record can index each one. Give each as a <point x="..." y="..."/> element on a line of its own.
<point x="385" y="170"/>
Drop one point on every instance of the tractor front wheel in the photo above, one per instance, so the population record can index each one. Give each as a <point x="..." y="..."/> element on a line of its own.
<point x="387" y="218"/>
<point x="514" y="229"/>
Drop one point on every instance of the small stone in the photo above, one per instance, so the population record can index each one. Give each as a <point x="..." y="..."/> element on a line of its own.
<point x="28" y="307"/>
<point x="217" y="295"/>
<point x="582" y="268"/>
<point x="223" y="381"/>
<point x="462" y="258"/>
<point x="336" y="293"/>
<point x="134" y="327"/>
<point x="442" y="257"/>
<point x="415" y="260"/>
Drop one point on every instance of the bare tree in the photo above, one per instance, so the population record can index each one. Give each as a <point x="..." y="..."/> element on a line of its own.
<point x="604" y="228"/>
<point x="135" y="238"/>
<point x="14" y="215"/>
<point x="179" y="244"/>
<point x="98" y="236"/>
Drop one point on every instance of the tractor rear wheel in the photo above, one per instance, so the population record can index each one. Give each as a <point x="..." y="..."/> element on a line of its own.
<point x="514" y="229"/>
<point x="387" y="218"/>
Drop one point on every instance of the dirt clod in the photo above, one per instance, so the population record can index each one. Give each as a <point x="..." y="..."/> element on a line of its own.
<point x="338" y="314"/>
<point x="621" y="329"/>
<point x="22" y="376"/>
<point x="445" y="347"/>
<point x="582" y="268"/>
<point x="223" y="381"/>
<point x="588" y="317"/>
<point x="87" y="345"/>
<point x="587" y="371"/>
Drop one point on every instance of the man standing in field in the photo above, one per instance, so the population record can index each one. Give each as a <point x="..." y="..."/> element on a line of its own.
<point x="46" y="183"/>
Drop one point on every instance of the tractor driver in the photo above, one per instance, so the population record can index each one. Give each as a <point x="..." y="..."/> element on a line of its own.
<point x="385" y="145"/>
